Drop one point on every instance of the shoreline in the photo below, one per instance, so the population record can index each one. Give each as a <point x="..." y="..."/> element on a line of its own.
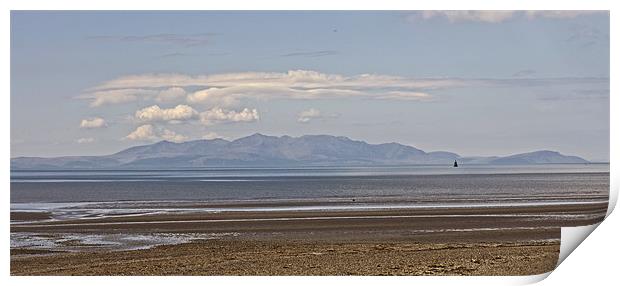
<point x="405" y="241"/>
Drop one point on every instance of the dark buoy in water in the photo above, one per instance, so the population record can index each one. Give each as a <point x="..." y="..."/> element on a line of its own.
<point x="455" y="164"/>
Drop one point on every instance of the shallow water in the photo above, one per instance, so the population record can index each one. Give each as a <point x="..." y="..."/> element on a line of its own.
<point x="75" y="242"/>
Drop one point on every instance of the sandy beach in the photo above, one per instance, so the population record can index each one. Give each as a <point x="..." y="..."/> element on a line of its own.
<point x="251" y="257"/>
<point x="485" y="240"/>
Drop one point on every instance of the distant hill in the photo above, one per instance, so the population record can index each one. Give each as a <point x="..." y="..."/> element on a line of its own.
<point x="270" y="151"/>
<point x="538" y="157"/>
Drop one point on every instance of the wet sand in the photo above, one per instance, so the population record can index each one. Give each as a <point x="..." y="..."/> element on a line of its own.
<point x="517" y="240"/>
<point x="29" y="216"/>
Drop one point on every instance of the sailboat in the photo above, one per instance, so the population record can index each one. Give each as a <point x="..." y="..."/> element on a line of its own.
<point x="455" y="164"/>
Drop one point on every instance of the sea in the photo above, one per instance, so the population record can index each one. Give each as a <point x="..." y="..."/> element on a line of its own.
<point x="428" y="184"/>
<point x="87" y="194"/>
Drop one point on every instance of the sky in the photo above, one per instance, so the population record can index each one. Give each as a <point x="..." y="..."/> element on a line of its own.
<point x="471" y="82"/>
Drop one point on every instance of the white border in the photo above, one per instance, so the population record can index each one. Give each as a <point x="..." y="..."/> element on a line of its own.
<point x="595" y="260"/>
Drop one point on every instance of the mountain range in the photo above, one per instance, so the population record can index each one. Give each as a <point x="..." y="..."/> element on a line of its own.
<point x="259" y="150"/>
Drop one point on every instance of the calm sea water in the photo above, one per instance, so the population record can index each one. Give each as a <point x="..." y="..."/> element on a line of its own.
<point x="558" y="182"/>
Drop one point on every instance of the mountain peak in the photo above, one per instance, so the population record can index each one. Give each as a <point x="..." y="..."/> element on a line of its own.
<point x="255" y="136"/>
<point x="546" y="152"/>
<point x="165" y="142"/>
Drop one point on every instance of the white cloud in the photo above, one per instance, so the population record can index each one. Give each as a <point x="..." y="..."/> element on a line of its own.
<point x="404" y="94"/>
<point x="487" y="16"/>
<point x="294" y="79"/>
<point x="219" y="115"/>
<point x="307" y="115"/>
<point x="231" y="89"/>
<point x="92" y="123"/>
<point x="85" y="140"/>
<point x="116" y="96"/>
<point x="172" y="94"/>
<point x="172" y="136"/>
<point x="218" y="96"/>
<point x="149" y="132"/>
<point x="497" y="16"/>
<point x="152" y="81"/>
<point x="155" y="113"/>
<point x="142" y="133"/>
<point x="182" y="113"/>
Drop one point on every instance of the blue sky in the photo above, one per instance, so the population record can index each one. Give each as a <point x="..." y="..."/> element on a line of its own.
<point x="474" y="83"/>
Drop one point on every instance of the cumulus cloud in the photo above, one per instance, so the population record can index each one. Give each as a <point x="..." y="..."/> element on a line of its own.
<point x="149" y="132"/>
<point x="307" y="115"/>
<point x="172" y="136"/>
<point x="219" y="115"/>
<point x="92" y="123"/>
<point x="85" y="140"/>
<point x="155" y="113"/>
<point x="497" y="16"/>
<point x="144" y="132"/>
